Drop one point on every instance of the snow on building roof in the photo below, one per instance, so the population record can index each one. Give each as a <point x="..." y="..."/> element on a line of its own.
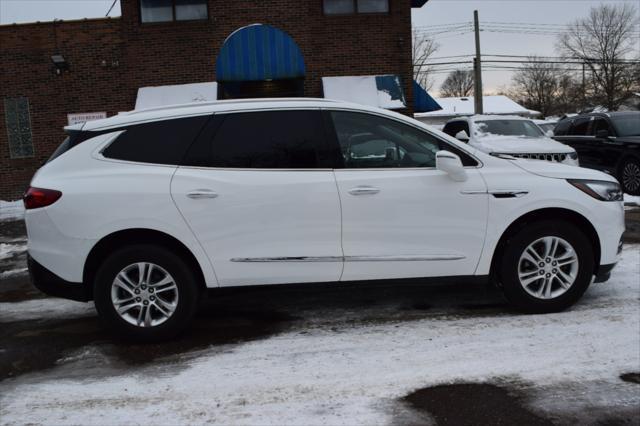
<point x="382" y="91"/>
<point x="158" y="96"/>
<point x="465" y="106"/>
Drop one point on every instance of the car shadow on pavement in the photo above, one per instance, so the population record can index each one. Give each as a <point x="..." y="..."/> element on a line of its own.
<point x="235" y="317"/>
<point x="36" y="345"/>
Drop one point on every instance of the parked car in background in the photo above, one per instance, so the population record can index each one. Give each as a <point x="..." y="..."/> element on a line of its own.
<point x="546" y="126"/>
<point x="606" y="141"/>
<point x="509" y="135"/>
<point x="144" y="211"/>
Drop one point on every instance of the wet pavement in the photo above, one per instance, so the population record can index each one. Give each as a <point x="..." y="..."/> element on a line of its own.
<point x="77" y="345"/>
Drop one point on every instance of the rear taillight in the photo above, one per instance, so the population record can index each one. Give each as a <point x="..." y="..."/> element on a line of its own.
<point x="40" y="197"/>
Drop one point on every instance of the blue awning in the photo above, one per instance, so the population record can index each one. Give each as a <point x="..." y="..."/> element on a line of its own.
<point x="257" y="53"/>
<point x="423" y="102"/>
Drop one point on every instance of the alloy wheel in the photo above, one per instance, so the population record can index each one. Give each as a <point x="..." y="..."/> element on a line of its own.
<point x="548" y="267"/>
<point x="631" y="177"/>
<point x="144" y="294"/>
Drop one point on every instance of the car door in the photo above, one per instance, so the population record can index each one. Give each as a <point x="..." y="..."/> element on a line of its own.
<point x="605" y="152"/>
<point x="578" y="138"/>
<point x="401" y="217"/>
<point x="256" y="190"/>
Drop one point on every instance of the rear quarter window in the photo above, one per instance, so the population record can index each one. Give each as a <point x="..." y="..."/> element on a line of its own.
<point x="562" y="128"/>
<point x="159" y="142"/>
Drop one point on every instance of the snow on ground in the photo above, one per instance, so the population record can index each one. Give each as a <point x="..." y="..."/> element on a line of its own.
<point x="11" y="210"/>
<point x="40" y="309"/>
<point x="348" y="375"/>
<point x="631" y="200"/>
<point x="9" y="250"/>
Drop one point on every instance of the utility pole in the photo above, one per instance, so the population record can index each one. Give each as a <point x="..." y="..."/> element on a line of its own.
<point x="477" y="68"/>
<point x="584" y="87"/>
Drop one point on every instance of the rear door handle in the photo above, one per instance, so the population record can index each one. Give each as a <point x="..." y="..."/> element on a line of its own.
<point x="199" y="194"/>
<point x="364" y="190"/>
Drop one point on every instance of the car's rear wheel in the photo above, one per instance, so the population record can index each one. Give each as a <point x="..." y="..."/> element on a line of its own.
<point x="546" y="267"/>
<point x="146" y="293"/>
<point x="629" y="176"/>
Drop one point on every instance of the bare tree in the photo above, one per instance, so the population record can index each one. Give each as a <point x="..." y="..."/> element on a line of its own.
<point x="537" y="85"/>
<point x="604" y="40"/>
<point x="422" y="49"/>
<point x="458" y="84"/>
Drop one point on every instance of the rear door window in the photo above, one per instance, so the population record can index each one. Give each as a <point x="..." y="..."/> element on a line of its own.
<point x="263" y="140"/>
<point x="580" y="126"/>
<point x="598" y="124"/>
<point x="159" y="142"/>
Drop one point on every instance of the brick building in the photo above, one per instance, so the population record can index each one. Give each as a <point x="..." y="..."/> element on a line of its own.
<point x="53" y="69"/>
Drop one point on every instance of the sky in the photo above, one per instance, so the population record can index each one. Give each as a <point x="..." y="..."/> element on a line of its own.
<point x="437" y="18"/>
<point x="544" y="18"/>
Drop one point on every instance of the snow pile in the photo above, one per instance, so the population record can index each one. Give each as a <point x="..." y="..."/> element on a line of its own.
<point x="11" y="210"/>
<point x="351" y="374"/>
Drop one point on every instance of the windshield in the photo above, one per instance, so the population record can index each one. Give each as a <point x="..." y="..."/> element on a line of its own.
<point x="627" y="125"/>
<point x="508" y="128"/>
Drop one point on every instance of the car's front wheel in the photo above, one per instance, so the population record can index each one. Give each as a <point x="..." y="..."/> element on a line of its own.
<point x="145" y="293"/>
<point x="546" y="267"/>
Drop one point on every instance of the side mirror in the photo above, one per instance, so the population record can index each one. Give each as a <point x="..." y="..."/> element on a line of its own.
<point x="602" y="134"/>
<point x="462" y="136"/>
<point x="451" y="164"/>
<point x="549" y="133"/>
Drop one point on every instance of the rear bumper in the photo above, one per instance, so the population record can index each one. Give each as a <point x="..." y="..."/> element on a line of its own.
<point x="604" y="273"/>
<point x="51" y="284"/>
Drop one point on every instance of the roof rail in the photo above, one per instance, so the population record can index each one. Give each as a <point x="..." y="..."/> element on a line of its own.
<point x="225" y="101"/>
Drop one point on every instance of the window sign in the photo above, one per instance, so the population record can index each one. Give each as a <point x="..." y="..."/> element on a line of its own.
<point x="83" y="117"/>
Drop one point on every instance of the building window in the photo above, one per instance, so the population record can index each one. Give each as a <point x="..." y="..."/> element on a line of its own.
<point x="347" y="7"/>
<point x="18" y="120"/>
<point x="173" y="10"/>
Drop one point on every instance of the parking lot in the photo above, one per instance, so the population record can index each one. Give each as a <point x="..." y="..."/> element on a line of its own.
<point x="437" y="354"/>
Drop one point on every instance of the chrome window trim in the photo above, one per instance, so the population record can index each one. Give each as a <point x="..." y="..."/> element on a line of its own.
<point x="396" y="258"/>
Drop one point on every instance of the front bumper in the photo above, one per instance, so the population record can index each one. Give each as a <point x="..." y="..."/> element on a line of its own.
<point x="51" y="284"/>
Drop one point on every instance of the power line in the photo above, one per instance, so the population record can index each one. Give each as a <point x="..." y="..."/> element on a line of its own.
<point x="111" y="8"/>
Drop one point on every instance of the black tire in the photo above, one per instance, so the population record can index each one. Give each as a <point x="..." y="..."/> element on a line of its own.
<point x="514" y="249"/>
<point x="188" y="293"/>
<point x="629" y="175"/>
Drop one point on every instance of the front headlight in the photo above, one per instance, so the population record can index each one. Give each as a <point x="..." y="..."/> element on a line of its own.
<point x="573" y="155"/>
<point x="599" y="189"/>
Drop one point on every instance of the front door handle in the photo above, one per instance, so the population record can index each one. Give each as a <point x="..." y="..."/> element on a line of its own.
<point x="364" y="190"/>
<point x="199" y="194"/>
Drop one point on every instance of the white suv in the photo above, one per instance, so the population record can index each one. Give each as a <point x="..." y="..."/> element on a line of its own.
<point x="143" y="211"/>
<point x="510" y="136"/>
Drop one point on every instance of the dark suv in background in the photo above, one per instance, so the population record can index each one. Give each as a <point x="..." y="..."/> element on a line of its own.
<point x="608" y="141"/>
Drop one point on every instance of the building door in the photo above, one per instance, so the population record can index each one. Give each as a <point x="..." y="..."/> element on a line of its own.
<point x="287" y="88"/>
